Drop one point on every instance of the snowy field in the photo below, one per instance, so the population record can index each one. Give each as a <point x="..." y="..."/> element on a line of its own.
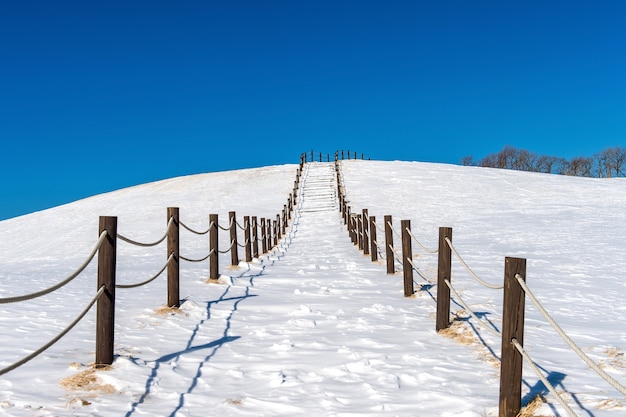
<point x="315" y="328"/>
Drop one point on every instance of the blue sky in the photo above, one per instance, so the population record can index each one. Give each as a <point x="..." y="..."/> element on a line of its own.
<point x="97" y="96"/>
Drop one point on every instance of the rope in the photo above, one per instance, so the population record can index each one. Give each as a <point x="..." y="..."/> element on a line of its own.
<point x="240" y="226"/>
<point x="232" y="242"/>
<point x="196" y="260"/>
<point x="608" y="378"/>
<point x="56" y="338"/>
<point x="149" y="280"/>
<point x="476" y="277"/>
<point x="62" y="283"/>
<point x="226" y="228"/>
<point x="145" y="245"/>
<point x="469" y="310"/>
<point x="420" y="244"/>
<point x="395" y="255"/>
<point x="545" y="381"/>
<point x="195" y="231"/>
<point x="424" y="277"/>
<point x="380" y="253"/>
<point x="243" y="245"/>
<point x="394" y="231"/>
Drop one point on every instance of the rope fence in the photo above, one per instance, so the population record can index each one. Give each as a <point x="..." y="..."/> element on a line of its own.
<point x="514" y="288"/>
<point x="268" y="230"/>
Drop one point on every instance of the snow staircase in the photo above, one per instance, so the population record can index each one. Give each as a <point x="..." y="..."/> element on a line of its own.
<point x="319" y="188"/>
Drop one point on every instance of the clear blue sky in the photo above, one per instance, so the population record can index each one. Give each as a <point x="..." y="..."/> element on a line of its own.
<point x="101" y="95"/>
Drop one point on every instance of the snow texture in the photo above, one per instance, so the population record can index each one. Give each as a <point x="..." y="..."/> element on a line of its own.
<point x="314" y="327"/>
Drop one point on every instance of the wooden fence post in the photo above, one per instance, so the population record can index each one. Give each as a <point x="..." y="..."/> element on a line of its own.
<point x="214" y="253"/>
<point x="268" y="226"/>
<point x="342" y="154"/>
<point x="255" y="237"/>
<point x="359" y="230"/>
<point x="366" y="240"/>
<point x="276" y="230"/>
<point x="407" y="257"/>
<point x="512" y="328"/>
<point x="391" y="260"/>
<point x="373" y="248"/>
<point x="173" y="250"/>
<point x="444" y="272"/>
<point x="234" y="250"/>
<point x="285" y="216"/>
<point x="246" y="236"/>
<point x="105" y="314"/>
<point x="263" y="236"/>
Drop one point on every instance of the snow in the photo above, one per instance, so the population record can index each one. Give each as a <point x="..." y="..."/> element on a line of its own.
<point x="314" y="327"/>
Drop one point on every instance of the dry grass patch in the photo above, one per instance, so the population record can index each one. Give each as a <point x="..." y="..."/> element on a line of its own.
<point x="532" y="407"/>
<point x="215" y="281"/>
<point x="87" y="380"/>
<point x="234" y="401"/>
<point x="166" y="311"/>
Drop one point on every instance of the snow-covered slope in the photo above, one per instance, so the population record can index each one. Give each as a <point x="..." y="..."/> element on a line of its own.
<point x="316" y="328"/>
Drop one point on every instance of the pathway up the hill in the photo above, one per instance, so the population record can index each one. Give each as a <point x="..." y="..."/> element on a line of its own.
<point x="314" y="328"/>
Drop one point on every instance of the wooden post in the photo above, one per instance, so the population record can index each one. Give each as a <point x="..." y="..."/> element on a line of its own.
<point x="512" y="328"/>
<point x="173" y="267"/>
<point x="246" y="233"/>
<point x="342" y="154"/>
<point x="312" y="156"/>
<point x="214" y="247"/>
<point x="374" y="248"/>
<point x="263" y="236"/>
<point x="391" y="260"/>
<point x="276" y="231"/>
<point x="234" y="250"/>
<point x="268" y="235"/>
<point x="255" y="238"/>
<point x="359" y="230"/>
<point x="289" y="206"/>
<point x="444" y="272"/>
<point x="285" y="216"/>
<point x="105" y="315"/>
<point x="366" y="239"/>
<point x="407" y="256"/>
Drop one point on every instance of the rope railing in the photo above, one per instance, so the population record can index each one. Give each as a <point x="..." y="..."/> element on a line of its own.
<point x="196" y="231"/>
<point x="421" y="245"/>
<point x="469" y="311"/>
<point x="421" y="274"/>
<point x="151" y="244"/>
<point x="469" y="270"/>
<point x="66" y="281"/>
<point x="141" y="284"/>
<point x="196" y="260"/>
<point x="608" y="378"/>
<point x="56" y="338"/>
<point x="542" y="377"/>
<point x="230" y="224"/>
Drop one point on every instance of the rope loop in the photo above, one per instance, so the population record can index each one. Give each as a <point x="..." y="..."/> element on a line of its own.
<point x="420" y="244"/>
<point x="469" y="311"/>
<point x="146" y="245"/>
<point x="476" y="277"/>
<point x="66" y="281"/>
<point x="195" y="231"/>
<point x="196" y="260"/>
<point x="126" y="286"/>
<point x="56" y="338"/>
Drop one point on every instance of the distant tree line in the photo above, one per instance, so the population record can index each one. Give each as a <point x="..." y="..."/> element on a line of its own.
<point x="609" y="163"/>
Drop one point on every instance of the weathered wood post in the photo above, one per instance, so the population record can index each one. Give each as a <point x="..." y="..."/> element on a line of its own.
<point x="407" y="257"/>
<point x="173" y="250"/>
<point x="263" y="236"/>
<point x="312" y="156"/>
<point x="234" y="250"/>
<point x="285" y="217"/>
<point x="246" y="236"/>
<point x="268" y="225"/>
<point x="105" y="314"/>
<point x="342" y="154"/>
<point x="366" y="240"/>
<point x="255" y="237"/>
<point x="214" y="254"/>
<point x="444" y="272"/>
<point x="276" y="231"/>
<point x="391" y="260"/>
<point x="512" y="328"/>
<point x="359" y="230"/>
<point x="290" y="206"/>
<point x="374" y="248"/>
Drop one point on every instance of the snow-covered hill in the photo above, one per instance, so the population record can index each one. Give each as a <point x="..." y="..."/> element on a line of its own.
<point x="315" y="327"/>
